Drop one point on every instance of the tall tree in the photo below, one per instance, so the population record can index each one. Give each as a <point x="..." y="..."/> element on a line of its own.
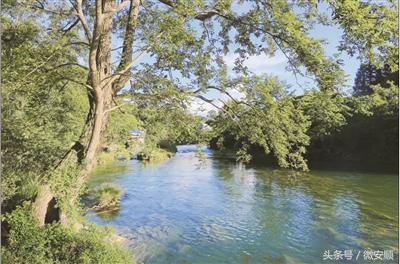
<point x="369" y="75"/>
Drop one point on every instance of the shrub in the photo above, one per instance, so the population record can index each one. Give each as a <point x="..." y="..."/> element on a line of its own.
<point x="53" y="243"/>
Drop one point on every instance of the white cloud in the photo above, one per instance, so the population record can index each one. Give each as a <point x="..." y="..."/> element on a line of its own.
<point x="258" y="64"/>
<point x="200" y="107"/>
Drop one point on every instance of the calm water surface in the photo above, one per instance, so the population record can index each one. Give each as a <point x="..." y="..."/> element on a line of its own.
<point x="186" y="210"/>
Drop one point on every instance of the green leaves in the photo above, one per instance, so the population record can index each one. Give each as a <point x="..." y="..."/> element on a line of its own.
<point x="370" y="30"/>
<point x="53" y="243"/>
<point x="268" y="119"/>
<point x="167" y="126"/>
<point x="42" y="112"/>
<point x="327" y="112"/>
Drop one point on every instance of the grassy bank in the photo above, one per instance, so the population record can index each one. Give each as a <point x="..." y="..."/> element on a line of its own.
<point x="55" y="243"/>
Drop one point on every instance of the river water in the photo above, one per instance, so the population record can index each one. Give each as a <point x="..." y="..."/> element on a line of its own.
<point x="191" y="209"/>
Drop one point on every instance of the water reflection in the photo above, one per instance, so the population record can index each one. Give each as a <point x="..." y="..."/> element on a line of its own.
<point x="108" y="214"/>
<point x="225" y="212"/>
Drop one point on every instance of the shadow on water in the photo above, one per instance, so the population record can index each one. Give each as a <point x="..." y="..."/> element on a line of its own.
<point x="226" y="212"/>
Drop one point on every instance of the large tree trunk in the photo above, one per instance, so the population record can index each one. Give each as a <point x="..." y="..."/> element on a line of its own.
<point x="104" y="86"/>
<point x="82" y="154"/>
<point x="40" y="205"/>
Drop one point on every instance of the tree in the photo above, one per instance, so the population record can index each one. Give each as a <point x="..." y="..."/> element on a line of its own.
<point x="370" y="31"/>
<point x="268" y="118"/>
<point x="42" y="111"/>
<point x="369" y="75"/>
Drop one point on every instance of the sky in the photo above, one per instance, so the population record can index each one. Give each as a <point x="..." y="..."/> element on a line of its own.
<point x="276" y="65"/>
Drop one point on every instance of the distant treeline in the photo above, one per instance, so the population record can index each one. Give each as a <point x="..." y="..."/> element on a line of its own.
<point x="357" y="132"/>
<point x="367" y="141"/>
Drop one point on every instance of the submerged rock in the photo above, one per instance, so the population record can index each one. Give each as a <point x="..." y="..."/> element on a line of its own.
<point x="121" y="158"/>
<point x="142" y="156"/>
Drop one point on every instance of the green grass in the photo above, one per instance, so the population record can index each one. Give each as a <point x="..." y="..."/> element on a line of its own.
<point x="107" y="196"/>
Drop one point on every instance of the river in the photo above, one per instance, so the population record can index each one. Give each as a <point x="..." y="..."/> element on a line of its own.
<point x="193" y="210"/>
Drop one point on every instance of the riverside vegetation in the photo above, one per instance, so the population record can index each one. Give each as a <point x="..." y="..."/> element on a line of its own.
<point x="70" y="97"/>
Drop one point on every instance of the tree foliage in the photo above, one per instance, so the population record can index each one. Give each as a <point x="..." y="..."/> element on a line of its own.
<point x="54" y="243"/>
<point x="269" y="118"/>
<point x="369" y="75"/>
<point x="42" y="111"/>
<point x="370" y="30"/>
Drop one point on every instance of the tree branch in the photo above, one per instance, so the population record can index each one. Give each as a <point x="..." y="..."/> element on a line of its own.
<point x="120" y="6"/>
<point x="79" y="43"/>
<point x="124" y="68"/>
<point x="127" y="47"/>
<point x="70" y="27"/>
<point x="201" y="16"/>
<point x="77" y="82"/>
<point x="209" y="101"/>
<point x="42" y="7"/>
<point x="116" y="75"/>
<point x="115" y="107"/>
<point x="83" y="20"/>
<point x="73" y="64"/>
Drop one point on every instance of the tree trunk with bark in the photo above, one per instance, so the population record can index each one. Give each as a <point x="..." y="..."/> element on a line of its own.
<point x="40" y="205"/>
<point x="103" y="85"/>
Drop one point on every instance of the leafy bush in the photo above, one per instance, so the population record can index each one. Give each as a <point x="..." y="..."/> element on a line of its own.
<point x="53" y="243"/>
<point x="168" y="126"/>
<point x="42" y="114"/>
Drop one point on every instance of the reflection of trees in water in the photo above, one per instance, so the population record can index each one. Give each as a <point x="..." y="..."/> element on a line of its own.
<point x="242" y="181"/>
<point x="362" y="207"/>
<point x="273" y="204"/>
<point x="347" y="207"/>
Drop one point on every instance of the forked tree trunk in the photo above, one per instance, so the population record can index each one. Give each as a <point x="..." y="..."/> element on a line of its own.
<point x="104" y="86"/>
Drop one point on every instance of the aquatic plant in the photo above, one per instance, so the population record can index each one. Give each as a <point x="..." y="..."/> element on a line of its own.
<point x="107" y="196"/>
